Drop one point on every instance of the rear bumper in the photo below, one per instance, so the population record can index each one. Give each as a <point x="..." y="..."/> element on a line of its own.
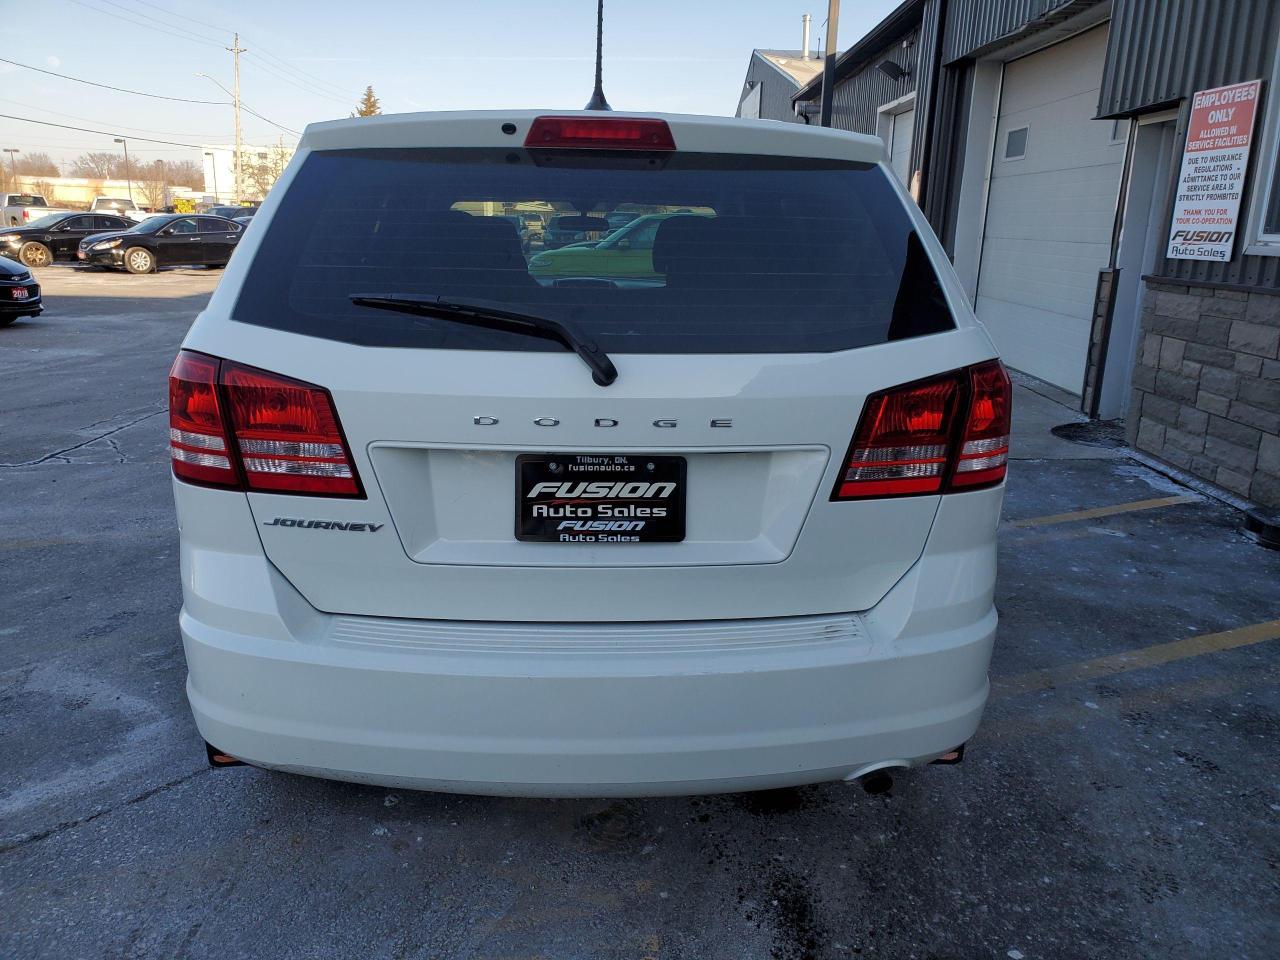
<point x="674" y="723"/>
<point x="590" y="710"/>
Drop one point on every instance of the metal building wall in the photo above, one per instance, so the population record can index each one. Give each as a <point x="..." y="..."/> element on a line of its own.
<point x="858" y="97"/>
<point x="776" y="93"/>
<point x="975" y="24"/>
<point x="1161" y="51"/>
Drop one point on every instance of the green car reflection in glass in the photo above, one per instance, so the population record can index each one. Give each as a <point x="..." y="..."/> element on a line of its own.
<point x="625" y="254"/>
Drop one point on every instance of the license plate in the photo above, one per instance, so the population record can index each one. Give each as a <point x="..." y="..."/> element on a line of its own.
<point x="599" y="498"/>
<point x="20" y="293"/>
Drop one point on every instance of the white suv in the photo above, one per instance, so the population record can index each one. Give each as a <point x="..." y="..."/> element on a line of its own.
<point x="712" y="513"/>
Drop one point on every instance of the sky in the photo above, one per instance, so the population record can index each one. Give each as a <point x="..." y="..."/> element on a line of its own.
<point x="309" y="61"/>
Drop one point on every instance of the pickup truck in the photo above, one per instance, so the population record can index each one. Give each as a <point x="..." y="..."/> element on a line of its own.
<point x="120" y="207"/>
<point x="19" y="209"/>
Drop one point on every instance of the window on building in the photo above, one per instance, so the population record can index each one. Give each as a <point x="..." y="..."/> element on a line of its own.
<point x="1015" y="144"/>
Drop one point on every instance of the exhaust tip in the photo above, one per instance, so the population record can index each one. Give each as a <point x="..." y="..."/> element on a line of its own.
<point x="876" y="782"/>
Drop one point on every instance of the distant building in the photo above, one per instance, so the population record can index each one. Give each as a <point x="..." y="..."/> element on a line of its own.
<point x="773" y="78"/>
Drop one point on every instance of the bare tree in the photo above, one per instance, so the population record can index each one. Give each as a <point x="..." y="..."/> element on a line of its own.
<point x="263" y="168"/>
<point x="37" y="165"/>
<point x="46" y="190"/>
<point x="99" y="165"/>
<point x="153" y="182"/>
<point x="186" y="173"/>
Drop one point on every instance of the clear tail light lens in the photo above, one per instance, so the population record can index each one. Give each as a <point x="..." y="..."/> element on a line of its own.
<point x="934" y="436"/>
<point x="278" y="434"/>
<point x="197" y="434"/>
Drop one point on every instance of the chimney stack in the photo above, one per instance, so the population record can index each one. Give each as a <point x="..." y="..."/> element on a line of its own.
<point x="804" y="47"/>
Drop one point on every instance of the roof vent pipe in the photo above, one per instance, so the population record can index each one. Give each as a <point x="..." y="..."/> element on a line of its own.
<point x="804" y="46"/>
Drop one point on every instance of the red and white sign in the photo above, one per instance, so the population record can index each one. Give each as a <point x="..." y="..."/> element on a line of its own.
<point x="1207" y="207"/>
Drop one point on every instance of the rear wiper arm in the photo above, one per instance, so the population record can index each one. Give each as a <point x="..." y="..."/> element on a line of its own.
<point x="603" y="371"/>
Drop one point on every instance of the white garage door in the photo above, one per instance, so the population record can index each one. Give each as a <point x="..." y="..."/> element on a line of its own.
<point x="900" y="144"/>
<point x="1054" y="179"/>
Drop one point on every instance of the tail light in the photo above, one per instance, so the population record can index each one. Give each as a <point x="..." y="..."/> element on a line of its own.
<point x="197" y="430"/>
<point x="271" y="433"/>
<point x="26" y="214"/>
<point x="601" y="133"/>
<point x="935" y="436"/>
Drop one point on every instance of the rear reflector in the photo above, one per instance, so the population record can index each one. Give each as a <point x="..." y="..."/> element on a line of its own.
<point x="600" y="133"/>
<point x="934" y="436"/>
<point x="251" y="429"/>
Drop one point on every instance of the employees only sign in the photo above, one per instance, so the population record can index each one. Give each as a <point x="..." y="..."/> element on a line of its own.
<point x="1207" y="205"/>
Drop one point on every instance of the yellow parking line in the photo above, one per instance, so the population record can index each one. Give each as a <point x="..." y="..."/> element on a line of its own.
<point x="1103" y="511"/>
<point x="1139" y="659"/>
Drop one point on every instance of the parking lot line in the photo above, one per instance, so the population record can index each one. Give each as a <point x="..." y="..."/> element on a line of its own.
<point x="1093" y="512"/>
<point x="1143" y="657"/>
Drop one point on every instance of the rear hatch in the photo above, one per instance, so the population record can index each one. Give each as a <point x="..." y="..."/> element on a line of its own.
<point x="497" y="479"/>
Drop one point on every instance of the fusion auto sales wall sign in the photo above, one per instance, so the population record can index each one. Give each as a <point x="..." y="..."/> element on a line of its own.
<point x="1214" y="161"/>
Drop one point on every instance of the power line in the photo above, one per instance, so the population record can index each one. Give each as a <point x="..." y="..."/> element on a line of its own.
<point x="184" y="23"/>
<point x="144" y="26"/>
<point x="107" y="86"/>
<point x="307" y="77"/>
<point x="104" y="133"/>
<point x="299" y="84"/>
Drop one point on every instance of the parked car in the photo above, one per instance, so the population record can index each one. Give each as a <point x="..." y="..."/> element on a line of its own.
<point x="120" y="206"/>
<point x="558" y="234"/>
<point x="445" y="526"/>
<point x="165" y="240"/>
<point x="232" y="212"/>
<point x="20" y="209"/>
<point x="56" y="236"/>
<point x="625" y="253"/>
<point x="19" y="292"/>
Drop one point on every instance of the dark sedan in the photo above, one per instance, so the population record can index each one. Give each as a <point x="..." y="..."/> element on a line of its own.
<point x="55" y="236"/>
<point x="174" y="239"/>
<point x="19" y="292"/>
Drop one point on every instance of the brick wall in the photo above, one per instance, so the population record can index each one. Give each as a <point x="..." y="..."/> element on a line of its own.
<point x="1206" y="386"/>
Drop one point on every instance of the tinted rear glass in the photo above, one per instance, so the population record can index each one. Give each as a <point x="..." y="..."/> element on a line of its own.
<point x="692" y="253"/>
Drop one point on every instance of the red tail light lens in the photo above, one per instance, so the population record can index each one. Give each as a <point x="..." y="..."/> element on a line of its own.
<point x="287" y="434"/>
<point x="931" y="437"/>
<point x="600" y="133"/>
<point x="901" y="444"/>
<point x="228" y="421"/>
<point x="984" y="454"/>
<point x="197" y="435"/>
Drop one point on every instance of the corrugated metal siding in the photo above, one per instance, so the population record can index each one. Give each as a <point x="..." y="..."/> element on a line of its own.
<point x="930" y="26"/>
<point x="1165" y="50"/>
<point x="859" y="97"/>
<point x="775" y="93"/>
<point x="974" y="24"/>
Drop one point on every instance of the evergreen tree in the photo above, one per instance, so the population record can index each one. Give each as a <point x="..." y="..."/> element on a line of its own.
<point x="369" y="105"/>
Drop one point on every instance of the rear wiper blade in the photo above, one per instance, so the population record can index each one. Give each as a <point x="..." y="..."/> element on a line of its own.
<point x="603" y="371"/>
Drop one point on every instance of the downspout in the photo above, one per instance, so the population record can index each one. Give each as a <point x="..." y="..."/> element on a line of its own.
<point x="926" y="152"/>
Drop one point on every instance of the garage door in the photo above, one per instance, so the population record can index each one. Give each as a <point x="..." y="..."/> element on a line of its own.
<point x="900" y="144"/>
<point x="1055" y="175"/>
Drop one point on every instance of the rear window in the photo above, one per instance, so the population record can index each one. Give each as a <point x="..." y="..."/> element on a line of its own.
<point x="26" y="200"/>
<point x="685" y="253"/>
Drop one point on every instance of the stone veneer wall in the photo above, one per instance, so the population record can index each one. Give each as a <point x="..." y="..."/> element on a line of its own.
<point x="1206" y="386"/>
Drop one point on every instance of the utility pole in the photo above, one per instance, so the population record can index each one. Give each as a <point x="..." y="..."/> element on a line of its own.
<point x="829" y="64"/>
<point x="213" y="165"/>
<point x="128" y="174"/>
<point x="235" y="50"/>
<point x="13" y="165"/>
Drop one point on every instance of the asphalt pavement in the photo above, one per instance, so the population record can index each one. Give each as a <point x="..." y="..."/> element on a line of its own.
<point x="1121" y="798"/>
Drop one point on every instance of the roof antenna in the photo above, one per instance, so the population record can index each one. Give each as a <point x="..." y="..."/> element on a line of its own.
<point x="597" y="101"/>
